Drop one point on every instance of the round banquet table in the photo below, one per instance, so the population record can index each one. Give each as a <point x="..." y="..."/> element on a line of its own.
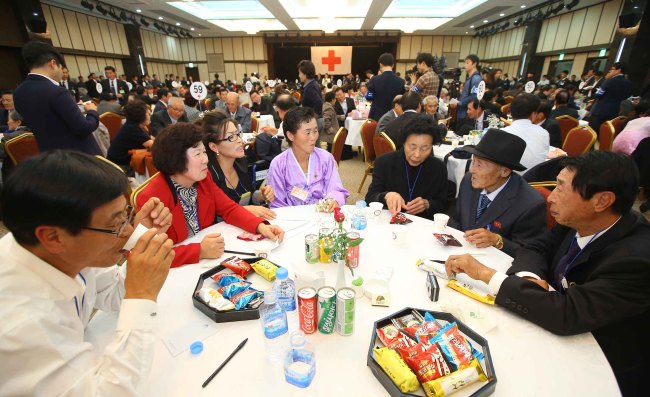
<point x="354" y="131"/>
<point x="527" y="359"/>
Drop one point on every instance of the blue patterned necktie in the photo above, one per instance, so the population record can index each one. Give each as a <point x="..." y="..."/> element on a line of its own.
<point x="483" y="203"/>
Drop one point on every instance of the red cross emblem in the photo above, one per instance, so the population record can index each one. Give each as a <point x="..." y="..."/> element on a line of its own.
<point x="331" y="61"/>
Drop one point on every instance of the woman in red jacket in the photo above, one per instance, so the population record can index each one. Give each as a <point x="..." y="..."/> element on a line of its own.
<point x="184" y="186"/>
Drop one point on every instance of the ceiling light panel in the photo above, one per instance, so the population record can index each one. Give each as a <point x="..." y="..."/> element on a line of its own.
<point x="410" y="25"/>
<point x="329" y="25"/>
<point x="222" y="10"/>
<point x="430" y="9"/>
<point x="250" y="26"/>
<point x="317" y="8"/>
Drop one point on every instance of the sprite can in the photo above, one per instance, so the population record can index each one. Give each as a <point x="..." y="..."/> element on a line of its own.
<point x="311" y="248"/>
<point x="326" y="310"/>
<point x="345" y="311"/>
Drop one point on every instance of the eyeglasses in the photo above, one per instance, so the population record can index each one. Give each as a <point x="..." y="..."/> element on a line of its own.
<point x="118" y="233"/>
<point x="231" y="138"/>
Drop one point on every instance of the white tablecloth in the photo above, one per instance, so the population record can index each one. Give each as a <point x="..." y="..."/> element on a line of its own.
<point x="455" y="167"/>
<point x="354" y="131"/>
<point x="264" y="120"/>
<point x="527" y="359"/>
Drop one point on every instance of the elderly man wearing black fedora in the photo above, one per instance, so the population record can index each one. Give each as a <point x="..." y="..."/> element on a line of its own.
<point x="495" y="206"/>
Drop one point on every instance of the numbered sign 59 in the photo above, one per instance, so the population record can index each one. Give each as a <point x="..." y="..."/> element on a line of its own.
<point x="529" y="87"/>
<point x="480" y="90"/>
<point x="198" y="91"/>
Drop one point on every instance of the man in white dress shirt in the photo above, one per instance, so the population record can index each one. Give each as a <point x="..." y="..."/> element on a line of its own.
<point x="537" y="140"/>
<point x="69" y="220"/>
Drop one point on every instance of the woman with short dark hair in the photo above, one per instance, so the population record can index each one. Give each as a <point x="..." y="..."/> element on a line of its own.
<point x="134" y="134"/>
<point x="411" y="179"/>
<point x="194" y="200"/>
<point x="311" y="95"/>
<point x="304" y="174"/>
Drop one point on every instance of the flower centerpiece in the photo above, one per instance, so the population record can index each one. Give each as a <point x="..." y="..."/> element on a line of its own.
<point x="342" y="242"/>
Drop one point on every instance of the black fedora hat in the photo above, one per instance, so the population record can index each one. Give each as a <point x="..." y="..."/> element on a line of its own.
<point x="500" y="147"/>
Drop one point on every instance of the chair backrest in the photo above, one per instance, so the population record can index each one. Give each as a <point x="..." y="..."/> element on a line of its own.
<point x="508" y="99"/>
<point x="254" y="124"/>
<point x="246" y="105"/>
<point x="544" y="188"/>
<point x="606" y="136"/>
<point x="566" y="124"/>
<point x="21" y="147"/>
<point x="367" y="133"/>
<point x="505" y="109"/>
<point x="297" y="95"/>
<point x="617" y="123"/>
<point x="383" y="144"/>
<point x="138" y="190"/>
<point x="579" y="140"/>
<point x="113" y="123"/>
<point x="207" y="102"/>
<point x="338" y="142"/>
<point x="104" y="159"/>
<point x="453" y="110"/>
<point x="148" y="163"/>
<point x="505" y="122"/>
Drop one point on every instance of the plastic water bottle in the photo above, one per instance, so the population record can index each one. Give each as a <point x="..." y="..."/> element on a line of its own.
<point x="275" y="326"/>
<point x="300" y="361"/>
<point x="285" y="289"/>
<point x="359" y="219"/>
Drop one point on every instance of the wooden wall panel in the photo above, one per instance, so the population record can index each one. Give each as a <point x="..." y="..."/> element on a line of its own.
<point x="102" y="28"/>
<point x="61" y="28"/>
<point x="192" y="50"/>
<point x="562" y="31"/>
<point x="200" y="51"/>
<point x="218" y="45"/>
<point x="446" y="44"/>
<point x="50" y="25"/>
<point x="427" y="42"/>
<point x="74" y="30"/>
<point x="591" y="26"/>
<point x="416" y="47"/>
<point x="86" y="32"/>
<point x="238" y="48"/>
<point x="551" y="32"/>
<point x="438" y="42"/>
<point x="227" y="48"/>
<point x="576" y="28"/>
<point x="84" y="69"/>
<point x="608" y="22"/>
<point x="230" y="72"/>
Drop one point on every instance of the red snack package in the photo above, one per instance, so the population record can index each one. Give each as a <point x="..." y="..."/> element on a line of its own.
<point x="238" y="266"/>
<point x="393" y="338"/>
<point x="428" y="365"/>
<point x="414" y="350"/>
<point x="400" y="219"/>
<point x="427" y="330"/>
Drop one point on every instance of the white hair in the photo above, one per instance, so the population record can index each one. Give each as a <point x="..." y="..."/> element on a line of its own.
<point x="429" y="98"/>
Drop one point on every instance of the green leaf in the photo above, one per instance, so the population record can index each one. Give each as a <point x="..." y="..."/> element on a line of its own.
<point x="354" y="243"/>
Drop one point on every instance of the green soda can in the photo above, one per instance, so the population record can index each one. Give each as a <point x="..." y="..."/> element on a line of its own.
<point x="345" y="304"/>
<point x="326" y="310"/>
<point x="311" y="248"/>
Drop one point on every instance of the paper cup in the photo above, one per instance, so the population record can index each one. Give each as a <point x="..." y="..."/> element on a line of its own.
<point x="440" y="222"/>
<point x="375" y="208"/>
<point x="398" y="234"/>
<point x="263" y="249"/>
<point x="135" y="236"/>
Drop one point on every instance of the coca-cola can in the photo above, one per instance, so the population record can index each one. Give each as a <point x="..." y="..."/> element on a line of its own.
<point x="307" y="309"/>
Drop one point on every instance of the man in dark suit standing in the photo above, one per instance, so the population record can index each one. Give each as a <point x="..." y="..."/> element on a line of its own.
<point x="91" y="86"/>
<point x="542" y="117"/>
<point x="597" y="260"/>
<point x="174" y="113"/>
<point x="169" y="79"/>
<point x="343" y="106"/>
<point x="69" y="85"/>
<point x="477" y="117"/>
<point x="163" y="99"/>
<point x="609" y="96"/>
<point x="495" y="205"/>
<point x="114" y="85"/>
<point x="411" y="107"/>
<point x="383" y="87"/>
<point x="48" y="108"/>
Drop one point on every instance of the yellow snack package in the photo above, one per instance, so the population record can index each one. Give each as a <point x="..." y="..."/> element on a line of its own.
<point x="265" y="269"/>
<point x="471" y="292"/>
<point x="455" y="381"/>
<point x="396" y="369"/>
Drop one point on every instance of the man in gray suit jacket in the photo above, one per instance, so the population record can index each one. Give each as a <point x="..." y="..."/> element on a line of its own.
<point x="174" y="113"/>
<point x="495" y="206"/>
<point x="238" y="113"/>
<point x="390" y="115"/>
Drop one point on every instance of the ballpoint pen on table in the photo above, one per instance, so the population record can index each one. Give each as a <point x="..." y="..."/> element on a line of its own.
<point x="239" y="252"/>
<point x="224" y="363"/>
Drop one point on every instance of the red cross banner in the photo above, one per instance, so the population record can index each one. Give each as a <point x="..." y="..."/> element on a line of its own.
<point x="332" y="60"/>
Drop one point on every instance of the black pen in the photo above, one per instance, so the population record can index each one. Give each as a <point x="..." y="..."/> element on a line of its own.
<point x="224" y="363"/>
<point x="238" y="252"/>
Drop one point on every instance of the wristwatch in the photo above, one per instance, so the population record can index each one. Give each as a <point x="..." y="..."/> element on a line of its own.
<point x="499" y="243"/>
